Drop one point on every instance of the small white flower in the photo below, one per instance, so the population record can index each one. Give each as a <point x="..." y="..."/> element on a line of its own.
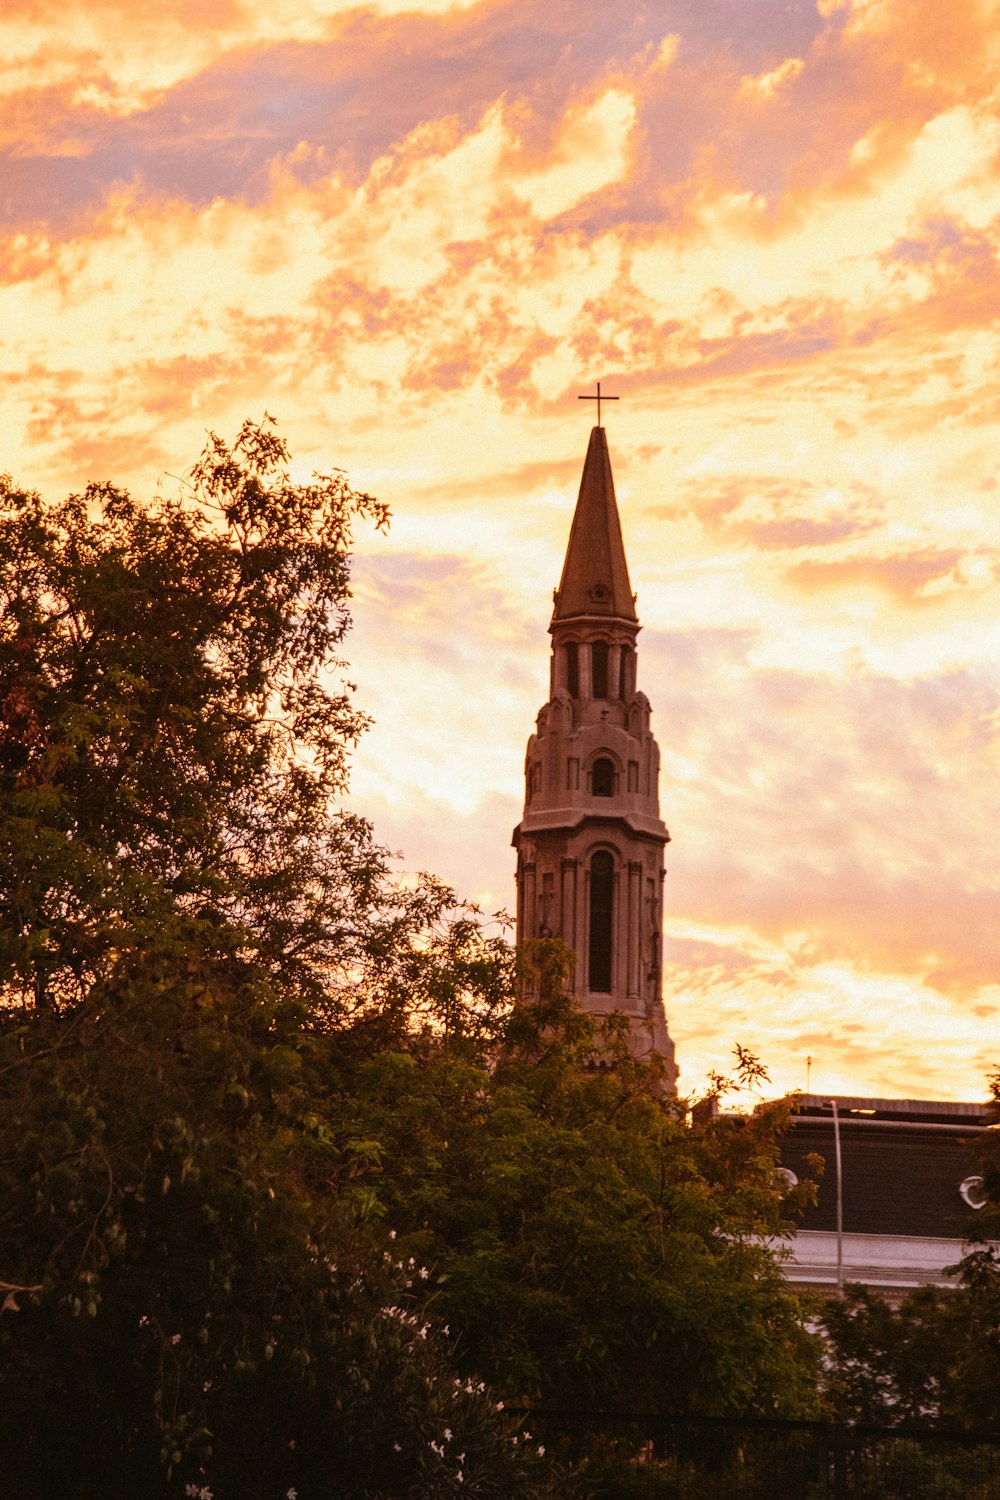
<point x="499" y="1406"/>
<point x="541" y="1450"/>
<point x="175" y="1338"/>
<point x="447" y="1434"/>
<point x="392" y="1234"/>
<point x="292" y="1494"/>
<point x="396" y="1448"/>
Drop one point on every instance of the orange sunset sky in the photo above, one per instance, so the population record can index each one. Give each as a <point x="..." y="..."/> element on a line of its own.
<point x="414" y="235"/>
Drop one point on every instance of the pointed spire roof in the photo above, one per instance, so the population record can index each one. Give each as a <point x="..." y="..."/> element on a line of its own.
<point x="595" y="574"/>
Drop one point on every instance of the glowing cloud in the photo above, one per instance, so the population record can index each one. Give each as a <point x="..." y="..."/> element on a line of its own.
<point x="415" y="232"/>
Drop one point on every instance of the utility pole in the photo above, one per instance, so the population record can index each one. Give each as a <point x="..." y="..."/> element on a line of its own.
<point x="840" y="1197"/>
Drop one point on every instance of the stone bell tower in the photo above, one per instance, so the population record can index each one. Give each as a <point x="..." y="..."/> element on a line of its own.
<point x="590" y="844"/>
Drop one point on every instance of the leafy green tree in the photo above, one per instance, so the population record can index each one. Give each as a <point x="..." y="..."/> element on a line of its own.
<point x="892" y="1365"/>
<point x="987" y="1160"/>
<point x="936" y="1357"/>
<point x="588" y="1244"/>
<point x="977" y="1397"/>
<point x="284" y="1174"/>
<point x="190" y="937"/>
<point x="978" y="1401"/>
<point x="193" y="1297"/>
<point x="169" y="740"/>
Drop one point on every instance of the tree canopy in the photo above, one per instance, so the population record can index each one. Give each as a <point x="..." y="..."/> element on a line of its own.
<point x="936" y="1357"/>
<point x="293" y="1192"/>
<point x="169" y="735"/>
<point x="595" y="1248"/>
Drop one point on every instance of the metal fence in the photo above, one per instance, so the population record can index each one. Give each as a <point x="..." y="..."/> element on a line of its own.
<point x="641" y="1457"/>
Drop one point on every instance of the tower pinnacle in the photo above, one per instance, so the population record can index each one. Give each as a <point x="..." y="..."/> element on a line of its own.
<point x="595" y="574"/>
<point x="590" y="843"/>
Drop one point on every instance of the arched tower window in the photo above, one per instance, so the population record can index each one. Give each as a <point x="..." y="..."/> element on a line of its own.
<point x="602" y="778"/>
<point x="599" y="668"/>
<point x="573" y="669"/>
<point x="602" y="875"/>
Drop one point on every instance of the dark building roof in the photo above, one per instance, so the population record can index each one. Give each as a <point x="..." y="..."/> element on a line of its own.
<point x="903" y="1164"/>
<point x="931" y="1111"/>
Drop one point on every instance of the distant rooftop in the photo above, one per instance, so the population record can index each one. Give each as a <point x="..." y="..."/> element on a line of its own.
<point x="909" y="1167"/>
<point x="916" y="1111"/>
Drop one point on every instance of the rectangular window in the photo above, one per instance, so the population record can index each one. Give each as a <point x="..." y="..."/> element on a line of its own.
<point x="601" y="922"/>
<point x="599" y="668"/>
<point x="633" y="775"/>
<point x="654" y="936"/>
<point x="572" y="774"/>
<point x="602" y="777"/>
<point x="548" y="897"/>
<point x="573" y="669"/>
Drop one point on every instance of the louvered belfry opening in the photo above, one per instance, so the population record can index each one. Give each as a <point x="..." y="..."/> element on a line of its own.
<point x="602" y="900"/>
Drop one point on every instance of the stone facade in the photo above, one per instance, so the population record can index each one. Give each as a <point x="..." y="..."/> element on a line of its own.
<point x="590" y="845"/>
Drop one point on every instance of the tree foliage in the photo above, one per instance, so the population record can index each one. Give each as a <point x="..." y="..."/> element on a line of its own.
<point x="594" y="1248"/>
<point x="936" y="1356"/>
<point x="169" y="735"/>
<point x="933" y="1359"/>
<point x="203" y="1301"/>
<point x="288" y="1182"/>
<point x="988" y="1164"/>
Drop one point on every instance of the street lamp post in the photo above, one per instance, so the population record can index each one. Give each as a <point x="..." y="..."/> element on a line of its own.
<point x="840" y="1197"/>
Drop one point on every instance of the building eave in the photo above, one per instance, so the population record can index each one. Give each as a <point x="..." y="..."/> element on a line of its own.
<point x="650" y="829"/>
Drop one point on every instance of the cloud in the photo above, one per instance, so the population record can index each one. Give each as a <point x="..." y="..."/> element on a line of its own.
<point x="121" y="58"/>
<point x="829" y="826"/>
<point x="766" y="85"/>
<point x="906" y="577"/>
<point x="416" y="234"/>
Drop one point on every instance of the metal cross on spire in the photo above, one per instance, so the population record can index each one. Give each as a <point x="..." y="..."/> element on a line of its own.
<point x="598" y="398"/>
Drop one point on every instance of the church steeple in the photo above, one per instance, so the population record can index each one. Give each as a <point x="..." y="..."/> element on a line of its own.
<point x="595" y="574"/>
<point x="590" y="844"/>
